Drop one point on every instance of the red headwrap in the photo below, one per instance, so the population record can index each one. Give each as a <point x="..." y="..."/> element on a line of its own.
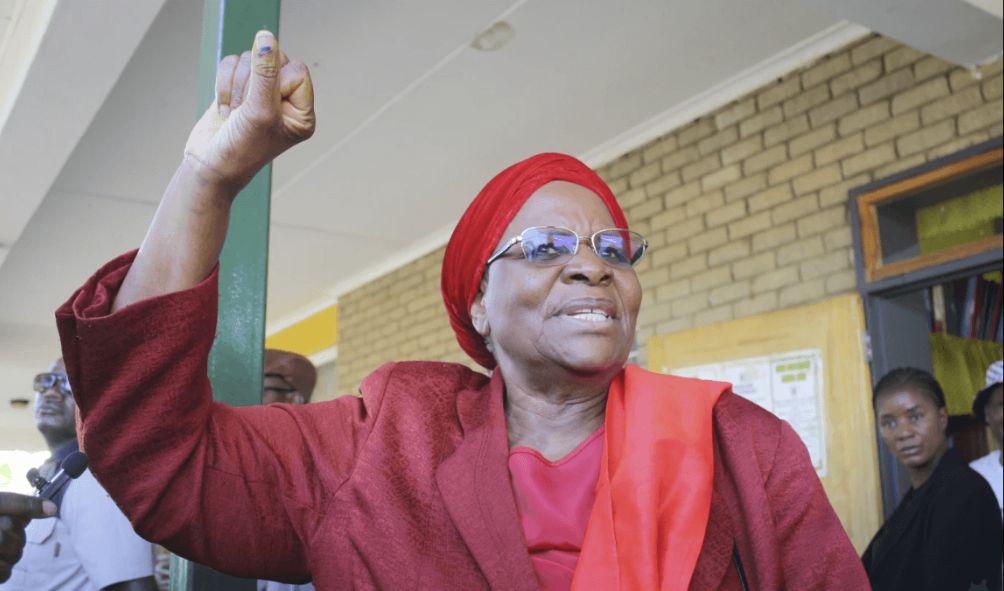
<point x="480" y="229"/>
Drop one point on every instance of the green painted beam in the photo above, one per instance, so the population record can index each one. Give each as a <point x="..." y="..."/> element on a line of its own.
<point x="235" y="362"/>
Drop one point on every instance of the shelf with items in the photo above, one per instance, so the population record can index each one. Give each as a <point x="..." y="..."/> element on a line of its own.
<point x="964" y="318"/>
<point x="969" y="307"/>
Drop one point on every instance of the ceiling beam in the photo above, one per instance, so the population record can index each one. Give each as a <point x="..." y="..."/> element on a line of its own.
<point x="80" y="55"/>
<point x="958" y="31"/>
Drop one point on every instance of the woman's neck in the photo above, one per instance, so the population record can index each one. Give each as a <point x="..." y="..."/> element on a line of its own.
<point x="553" y="417"/>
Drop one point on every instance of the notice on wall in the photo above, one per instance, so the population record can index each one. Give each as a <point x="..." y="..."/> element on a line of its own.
<point x="789" y="384"/>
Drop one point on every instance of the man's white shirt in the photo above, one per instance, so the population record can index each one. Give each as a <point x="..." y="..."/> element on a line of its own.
<point x="89" y="546"/>
<point x="274" y="586"/>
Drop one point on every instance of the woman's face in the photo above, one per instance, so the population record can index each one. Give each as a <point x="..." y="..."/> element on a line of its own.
<point x="545" y="316"/>
<point x="911" y="425"/>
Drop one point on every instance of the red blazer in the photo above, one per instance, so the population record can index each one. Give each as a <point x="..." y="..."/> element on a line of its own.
<point x="405" y="487"/>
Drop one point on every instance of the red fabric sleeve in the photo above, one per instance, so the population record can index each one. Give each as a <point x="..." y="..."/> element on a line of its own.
<point x="814" y="549"/>
<point x="238" y="489"/>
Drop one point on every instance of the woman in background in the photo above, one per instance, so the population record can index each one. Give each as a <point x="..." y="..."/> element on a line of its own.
<point x="945" y="535"/>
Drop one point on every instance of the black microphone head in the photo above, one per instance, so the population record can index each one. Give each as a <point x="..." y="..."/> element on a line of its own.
<point x="74" y="464"/>
<point x="36" y="479"/>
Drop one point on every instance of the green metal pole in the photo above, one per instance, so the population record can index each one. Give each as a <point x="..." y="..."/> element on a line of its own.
<point x="235" y="362"/>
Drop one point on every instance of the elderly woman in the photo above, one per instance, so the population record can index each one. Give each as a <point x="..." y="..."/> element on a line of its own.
<point x="563" y="469"/>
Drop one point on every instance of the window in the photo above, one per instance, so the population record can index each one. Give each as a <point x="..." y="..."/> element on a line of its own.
<point x="941" y="215"/>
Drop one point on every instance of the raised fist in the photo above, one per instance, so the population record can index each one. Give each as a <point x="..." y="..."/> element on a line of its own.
<point x="264" y="106"/>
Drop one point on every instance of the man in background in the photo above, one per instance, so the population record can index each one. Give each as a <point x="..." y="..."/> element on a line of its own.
<point x="989" y="408"/>
<point x="89" y="544"/>
<point x="289" y="379"/>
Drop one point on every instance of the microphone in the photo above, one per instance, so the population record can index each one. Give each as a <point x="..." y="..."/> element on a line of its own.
<point x="73" y="466"/>
<point x="37" y="480"/>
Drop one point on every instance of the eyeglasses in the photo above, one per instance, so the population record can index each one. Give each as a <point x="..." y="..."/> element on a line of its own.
<point x="551" y="245"/>
<point x="279" y="393"/>
<point x="47" y="381"/>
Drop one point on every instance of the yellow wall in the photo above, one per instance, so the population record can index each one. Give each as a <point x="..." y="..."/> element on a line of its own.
<point x="311" y="335"/>
<point x="834" y="326"/>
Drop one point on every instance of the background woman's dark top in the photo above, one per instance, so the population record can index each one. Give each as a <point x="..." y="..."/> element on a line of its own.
<point x="944" y="536"/>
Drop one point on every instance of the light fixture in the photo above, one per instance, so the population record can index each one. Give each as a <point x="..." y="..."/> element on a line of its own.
<point x="494" y="37"/>
<point x="19" y="403"/>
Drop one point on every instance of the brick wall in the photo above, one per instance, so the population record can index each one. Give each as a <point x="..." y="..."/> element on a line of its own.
<point x="745" y="208"/>
<point x="399" y="316"/>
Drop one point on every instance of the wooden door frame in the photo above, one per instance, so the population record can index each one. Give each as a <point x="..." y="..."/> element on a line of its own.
<point x="877" y="294"/>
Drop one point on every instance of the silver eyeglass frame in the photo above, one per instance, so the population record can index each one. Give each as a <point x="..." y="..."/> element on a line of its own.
<point x="579" y="240"/>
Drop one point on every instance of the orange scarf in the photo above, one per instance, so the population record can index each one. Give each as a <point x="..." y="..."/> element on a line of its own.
<point x="653" y="496"/>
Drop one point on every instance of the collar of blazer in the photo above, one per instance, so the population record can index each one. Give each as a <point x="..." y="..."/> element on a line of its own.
<point x="474" y="482"/>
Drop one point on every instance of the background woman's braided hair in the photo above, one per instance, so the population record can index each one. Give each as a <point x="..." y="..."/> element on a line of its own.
<point x="910" y="376"/>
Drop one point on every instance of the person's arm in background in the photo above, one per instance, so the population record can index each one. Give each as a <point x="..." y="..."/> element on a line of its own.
<point x="15" y="513"/>
<point x="264" y="106"/>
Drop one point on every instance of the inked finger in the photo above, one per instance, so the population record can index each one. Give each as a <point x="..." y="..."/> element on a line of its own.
<point x="241" y="76"/>
<point x="224" y="80"/>
<point x="263" y="89"/>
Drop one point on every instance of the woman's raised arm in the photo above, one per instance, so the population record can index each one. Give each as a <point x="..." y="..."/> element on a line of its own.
<point x="229" y="487"/>
<point x="264" y="105"/>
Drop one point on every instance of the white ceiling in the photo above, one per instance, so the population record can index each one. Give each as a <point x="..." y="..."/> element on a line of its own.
<point x="412" y="122"/>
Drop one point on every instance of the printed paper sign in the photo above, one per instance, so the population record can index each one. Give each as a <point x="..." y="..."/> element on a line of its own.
<point x="790" y="385"/>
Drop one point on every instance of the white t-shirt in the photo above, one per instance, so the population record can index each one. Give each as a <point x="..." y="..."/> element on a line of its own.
<point x="989" y="467"/>
<point x="89" y="546"/>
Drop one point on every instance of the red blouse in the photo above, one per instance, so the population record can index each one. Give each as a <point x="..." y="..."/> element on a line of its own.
<point x="554" y="500"/>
